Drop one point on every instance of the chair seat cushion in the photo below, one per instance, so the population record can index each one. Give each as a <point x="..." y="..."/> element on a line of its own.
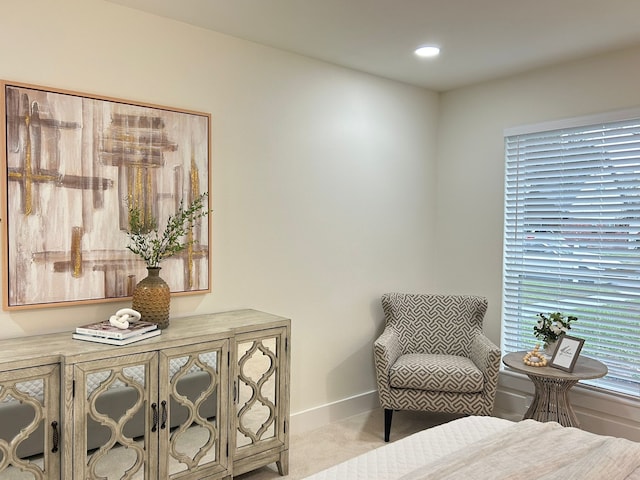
<point x="441" y="373"/>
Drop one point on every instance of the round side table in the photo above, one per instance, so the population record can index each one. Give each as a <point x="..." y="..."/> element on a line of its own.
<point x="551" y="400"/>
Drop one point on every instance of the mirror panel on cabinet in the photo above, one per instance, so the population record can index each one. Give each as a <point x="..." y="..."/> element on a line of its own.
<point x="29" y="416"/>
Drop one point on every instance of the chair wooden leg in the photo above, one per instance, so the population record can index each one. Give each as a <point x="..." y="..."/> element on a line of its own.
<point x="388" y="414"/>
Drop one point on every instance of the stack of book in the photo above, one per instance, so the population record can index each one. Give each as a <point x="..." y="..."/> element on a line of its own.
<point x="104" y="332"/>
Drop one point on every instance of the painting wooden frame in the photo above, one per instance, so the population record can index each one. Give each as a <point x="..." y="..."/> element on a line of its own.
<point x="73" y="164"/>
<point x="566" y="353"/>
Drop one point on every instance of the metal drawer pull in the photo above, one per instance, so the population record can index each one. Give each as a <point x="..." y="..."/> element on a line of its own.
<point x="154" y="407"/>
<point x="55" y="436"/>
<point x="164" y="415"/>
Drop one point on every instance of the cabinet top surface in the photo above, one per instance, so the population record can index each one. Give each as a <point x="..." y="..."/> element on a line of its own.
<point x="192" y="329"/>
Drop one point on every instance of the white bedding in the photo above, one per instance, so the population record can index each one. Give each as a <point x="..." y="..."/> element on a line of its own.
<point x="491" y="448"/>
<point x="401" y="457"/>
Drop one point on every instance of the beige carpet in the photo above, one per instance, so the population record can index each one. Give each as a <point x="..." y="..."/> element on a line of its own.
<point x="311" y="452"/>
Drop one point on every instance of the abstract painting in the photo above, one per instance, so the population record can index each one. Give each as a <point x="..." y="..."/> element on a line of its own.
<point x="74" y="164"/>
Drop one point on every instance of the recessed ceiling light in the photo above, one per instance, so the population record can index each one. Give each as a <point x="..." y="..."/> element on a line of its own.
<point x="426" y="51"/>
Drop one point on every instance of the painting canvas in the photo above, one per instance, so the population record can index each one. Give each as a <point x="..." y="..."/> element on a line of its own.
<point x="74" y="164"/>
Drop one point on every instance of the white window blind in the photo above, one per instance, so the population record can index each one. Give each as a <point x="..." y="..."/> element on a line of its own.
<point x="572" y="241"/>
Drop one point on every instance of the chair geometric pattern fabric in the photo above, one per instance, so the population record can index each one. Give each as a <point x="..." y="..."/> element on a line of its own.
<point x="441" y="373"/>
<point x="444" y="324"/>
<point x="449" y="325"/>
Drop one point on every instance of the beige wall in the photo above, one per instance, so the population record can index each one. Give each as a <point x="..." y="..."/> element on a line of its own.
<point x="471" y="188"/>
<point x="323" y="182"/>
<point x="471" y="158"/>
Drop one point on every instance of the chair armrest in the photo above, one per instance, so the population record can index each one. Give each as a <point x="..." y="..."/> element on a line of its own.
<point x="386" y="350"/>
<point x="486" y="356"/>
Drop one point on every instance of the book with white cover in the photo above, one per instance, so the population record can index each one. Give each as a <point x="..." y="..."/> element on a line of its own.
<point x="115" y="341"/>
<point x="106" y="330"/>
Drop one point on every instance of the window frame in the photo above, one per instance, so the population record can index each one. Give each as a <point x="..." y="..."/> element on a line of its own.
<point x="514" y="338"/>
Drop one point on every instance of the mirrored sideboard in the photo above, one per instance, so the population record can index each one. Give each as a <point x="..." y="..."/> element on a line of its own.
<point x="208" y="398"/>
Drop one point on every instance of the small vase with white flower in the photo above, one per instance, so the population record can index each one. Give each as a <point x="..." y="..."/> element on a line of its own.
<point x="550" y="327"/>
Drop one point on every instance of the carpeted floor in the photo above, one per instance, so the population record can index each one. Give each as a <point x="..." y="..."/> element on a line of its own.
<point x="311" y="452"/>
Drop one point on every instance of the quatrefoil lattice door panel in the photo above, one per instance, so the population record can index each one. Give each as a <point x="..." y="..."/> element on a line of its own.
<point x="116" y="415"/>
<point x="261" y="385"/>
<point x="154" y="415"/>
<point x="195" y="381"/>
<point x="30" y="423"/>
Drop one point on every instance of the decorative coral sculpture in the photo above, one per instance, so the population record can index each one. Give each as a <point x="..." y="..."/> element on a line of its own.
<point x="534" y="358"/>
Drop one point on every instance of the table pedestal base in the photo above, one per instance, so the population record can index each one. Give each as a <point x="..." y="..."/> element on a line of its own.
<point x="551" y="401"/>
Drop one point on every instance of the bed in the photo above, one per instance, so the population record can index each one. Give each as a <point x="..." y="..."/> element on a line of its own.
<point x="489" y="448"/>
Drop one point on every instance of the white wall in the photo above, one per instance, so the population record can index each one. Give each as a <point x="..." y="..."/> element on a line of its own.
<point x="471" y="178"/>
<point x="323" y="182"/>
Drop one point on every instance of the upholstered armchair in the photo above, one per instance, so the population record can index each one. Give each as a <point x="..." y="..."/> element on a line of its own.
<point x="432" y="356"/>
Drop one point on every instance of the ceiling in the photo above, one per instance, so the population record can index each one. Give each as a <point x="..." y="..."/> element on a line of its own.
<point x="480" y="39"/>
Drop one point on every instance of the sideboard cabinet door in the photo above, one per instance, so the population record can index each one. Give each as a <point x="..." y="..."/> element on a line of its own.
<point x="261" y="397"/>
<point x="30" y="420"/>
<point x="159" y="414"/>
<point x="194" y="421"/>
<point x="116" y="415"/>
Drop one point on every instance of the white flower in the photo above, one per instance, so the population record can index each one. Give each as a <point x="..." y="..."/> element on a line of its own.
<point x="550" y="327"/>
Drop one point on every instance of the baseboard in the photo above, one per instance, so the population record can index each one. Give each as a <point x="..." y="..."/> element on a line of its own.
<point x="316" y="417"/>
<point x="597" y="411"/>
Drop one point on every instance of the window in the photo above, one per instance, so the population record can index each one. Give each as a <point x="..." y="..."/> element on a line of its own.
<point x="572" y="239"/>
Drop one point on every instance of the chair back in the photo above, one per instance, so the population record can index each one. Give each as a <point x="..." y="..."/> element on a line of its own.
<point x="434" y="323"/>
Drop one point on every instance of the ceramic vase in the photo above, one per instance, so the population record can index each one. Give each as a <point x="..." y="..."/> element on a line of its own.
<point x="550" y="348"/>
<point x="152" y="298"/>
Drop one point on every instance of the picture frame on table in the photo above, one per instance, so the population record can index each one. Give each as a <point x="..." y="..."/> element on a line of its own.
<point x="566" y="353"/>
